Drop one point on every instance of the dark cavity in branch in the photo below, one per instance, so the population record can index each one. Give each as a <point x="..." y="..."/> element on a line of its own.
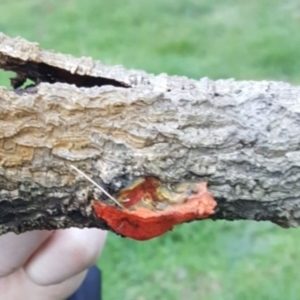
<point x="41" y="72"/>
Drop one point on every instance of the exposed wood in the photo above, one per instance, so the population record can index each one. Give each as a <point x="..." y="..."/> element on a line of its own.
<point x="117" y="125"/>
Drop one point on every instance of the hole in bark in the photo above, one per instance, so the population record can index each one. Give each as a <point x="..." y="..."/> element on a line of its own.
<point x="41" y="72"/>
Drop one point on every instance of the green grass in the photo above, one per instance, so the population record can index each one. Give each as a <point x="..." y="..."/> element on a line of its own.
<point x="256" y="39"/>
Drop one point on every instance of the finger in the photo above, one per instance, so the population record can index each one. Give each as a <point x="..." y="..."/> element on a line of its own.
<point x="62" y="290"/>
<point x="19" y="286"/>
<point x="16" y="249"/>
<point x="65" y="254"/>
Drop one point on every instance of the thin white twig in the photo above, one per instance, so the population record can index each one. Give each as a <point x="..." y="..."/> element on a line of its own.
<point x="96" y="184"/>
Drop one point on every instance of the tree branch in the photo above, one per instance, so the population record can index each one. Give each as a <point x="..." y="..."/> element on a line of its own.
<point x="117" y="125"/>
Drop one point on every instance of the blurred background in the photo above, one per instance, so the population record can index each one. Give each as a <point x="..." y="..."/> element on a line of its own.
<point x="258" y="39"/>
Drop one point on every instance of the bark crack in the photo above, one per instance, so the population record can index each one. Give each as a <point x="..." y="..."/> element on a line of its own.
<point x="41" y="72"/>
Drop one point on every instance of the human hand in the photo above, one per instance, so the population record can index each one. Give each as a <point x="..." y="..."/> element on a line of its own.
<point x="47" y="265"/>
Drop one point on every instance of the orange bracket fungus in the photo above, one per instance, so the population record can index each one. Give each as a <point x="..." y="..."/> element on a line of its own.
<point x="151" y="208"/>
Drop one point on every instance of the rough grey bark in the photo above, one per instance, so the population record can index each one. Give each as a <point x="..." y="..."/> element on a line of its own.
<point x="116" y="125"/>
